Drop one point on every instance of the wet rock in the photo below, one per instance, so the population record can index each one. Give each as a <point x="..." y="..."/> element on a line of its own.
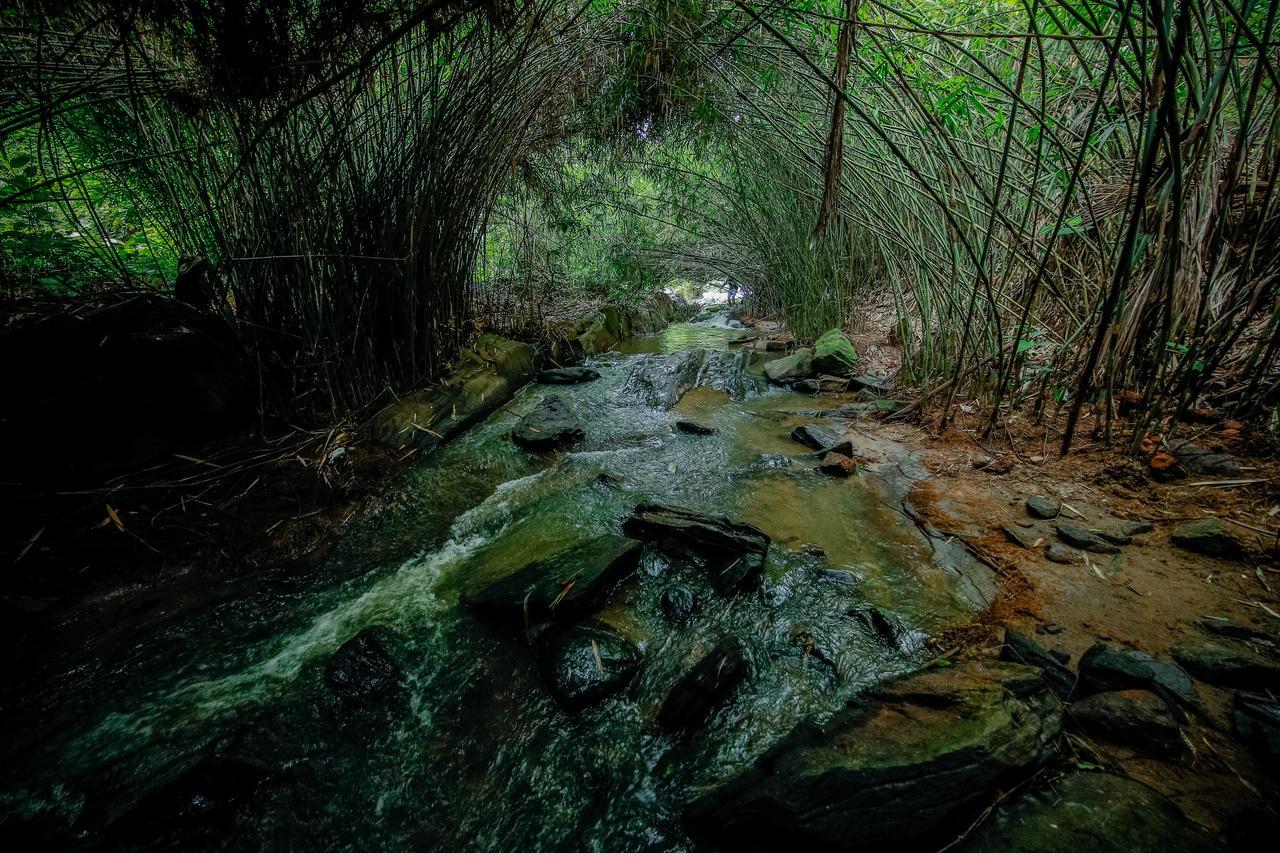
<point x="1104" y="668"/>
<point x="1136" y="528"/>
<point x="678" y="603"/>
<point x="811" y="643"/>
<point x="1098" y="812"/>
<point x="1020" y="536"/>
<point x="1231" y="663"/>
<point x="1115" y="537"/>
<point x="1019" y="648"/>
<point x="1086" y="540"/>
<point x="1059" y="553"/>
<point x="733" y="553"/>
<point x="705" y="687"/>
<point x="586" y="662"/>
<point x="790" y="368"/>
<point x="695" y="428"/>
<point x="196" y="810"/>
<point x="838" y="465"/>
<point x="807" y="386"/>
<point x="550" y="426"/>
<point x="889" y="627"/>
<point x="1256" y="720"/>
<point x="816" y="437"/>
<point x="1042" y="507"/>
<point x="564" y="587"/>
<point x="1208" y="536"/>
<point x="1131" y="717"/>
<point x="909" y="758"/>
<point x="567" y="375"/>
<point x="833" y="352"/>
<point x="361" y="668"/>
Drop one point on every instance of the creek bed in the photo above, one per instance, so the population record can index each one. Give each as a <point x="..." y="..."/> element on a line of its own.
<point x="473" y="752"/>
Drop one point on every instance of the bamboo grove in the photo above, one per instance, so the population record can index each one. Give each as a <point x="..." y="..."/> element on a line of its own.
<point x="1063" y="204"/>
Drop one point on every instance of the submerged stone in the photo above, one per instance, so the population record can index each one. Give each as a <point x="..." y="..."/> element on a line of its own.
<point x="567" y="375"/>
<point x="695" y="428"/>
<point x="732" y="552"/>
<point x="361" y="668"/>
<point x="1136" y="718"/>
<point x="706" y="686"/>
<point x="889" y="627"/>
<point x="550" y="426"/>
<point x="1208" y="536"/>
<point x="678" y="602"/>
<point x="586" y="662"/>
<point x="912" y="756"/>
<point x="564" y="587"/>
<point x="1098" y="812"/>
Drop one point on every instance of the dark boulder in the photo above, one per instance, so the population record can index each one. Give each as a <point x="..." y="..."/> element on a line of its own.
<point x="1104" y="668"/>
<point x="678" y="603"/>
<point x="1208" y="536"/>
<point x="361" y="668"/>
<point x="705" y="687"/>
<point x="1230" y="663"/>
<point x="1020" y="648"/>
<point x="695" y="428"/>
<point x="1087" y="540"/>
<point x="1097" y="812"/>
<point x="1138" y="718"/>
<point x="550" y="426"/>
<point x="1042" y="507"/>
<point x="563" y="587"/>
<point x="586" y="662"/>
<point x="910" y="758"/>
<point x="834" y="353"/>
<point x="567" y="375"/>
<point x="1256" y="720"/>
<point x="733" y="553"/>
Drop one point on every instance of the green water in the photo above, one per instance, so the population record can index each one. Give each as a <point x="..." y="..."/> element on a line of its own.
<point x="474" y="754"/>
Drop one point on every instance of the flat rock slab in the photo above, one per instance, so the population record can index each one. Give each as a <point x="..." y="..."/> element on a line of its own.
<point x="550" y="426"/>
<point x="361" y="668"/>
<point x="1104" y="668"/>
<point x="586" y="662"/>
<point x="1208" y="536"/>
<point x="816" y="437"/>
<point x="705" y="687"/>
<point x="1137" y="718"/>
<point x="732" y="552"/>
<point x="914" y="755"/>
<point x="564" y="587"/>
<point x="1230" y="663"/>
<point x="1094" y="812"/>
<point x="567" y="375"/>
<point x="1085" y="539"/>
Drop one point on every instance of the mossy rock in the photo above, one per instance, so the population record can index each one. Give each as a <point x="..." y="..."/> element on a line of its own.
<point x="834" y="353"/>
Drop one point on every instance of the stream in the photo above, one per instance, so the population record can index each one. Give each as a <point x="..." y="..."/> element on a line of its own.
<point x="473" y="751"/>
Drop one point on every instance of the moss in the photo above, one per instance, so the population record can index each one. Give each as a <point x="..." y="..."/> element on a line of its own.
<point x="834" y="352"/>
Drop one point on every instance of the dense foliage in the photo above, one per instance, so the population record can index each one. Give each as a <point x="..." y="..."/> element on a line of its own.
<point x="1062" y="199"/>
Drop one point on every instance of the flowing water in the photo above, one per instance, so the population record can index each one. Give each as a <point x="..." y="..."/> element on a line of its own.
<point x="473" y="753"/>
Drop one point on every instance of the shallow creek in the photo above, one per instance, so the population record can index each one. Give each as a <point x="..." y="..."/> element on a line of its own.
<point x="473" y="753"/>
